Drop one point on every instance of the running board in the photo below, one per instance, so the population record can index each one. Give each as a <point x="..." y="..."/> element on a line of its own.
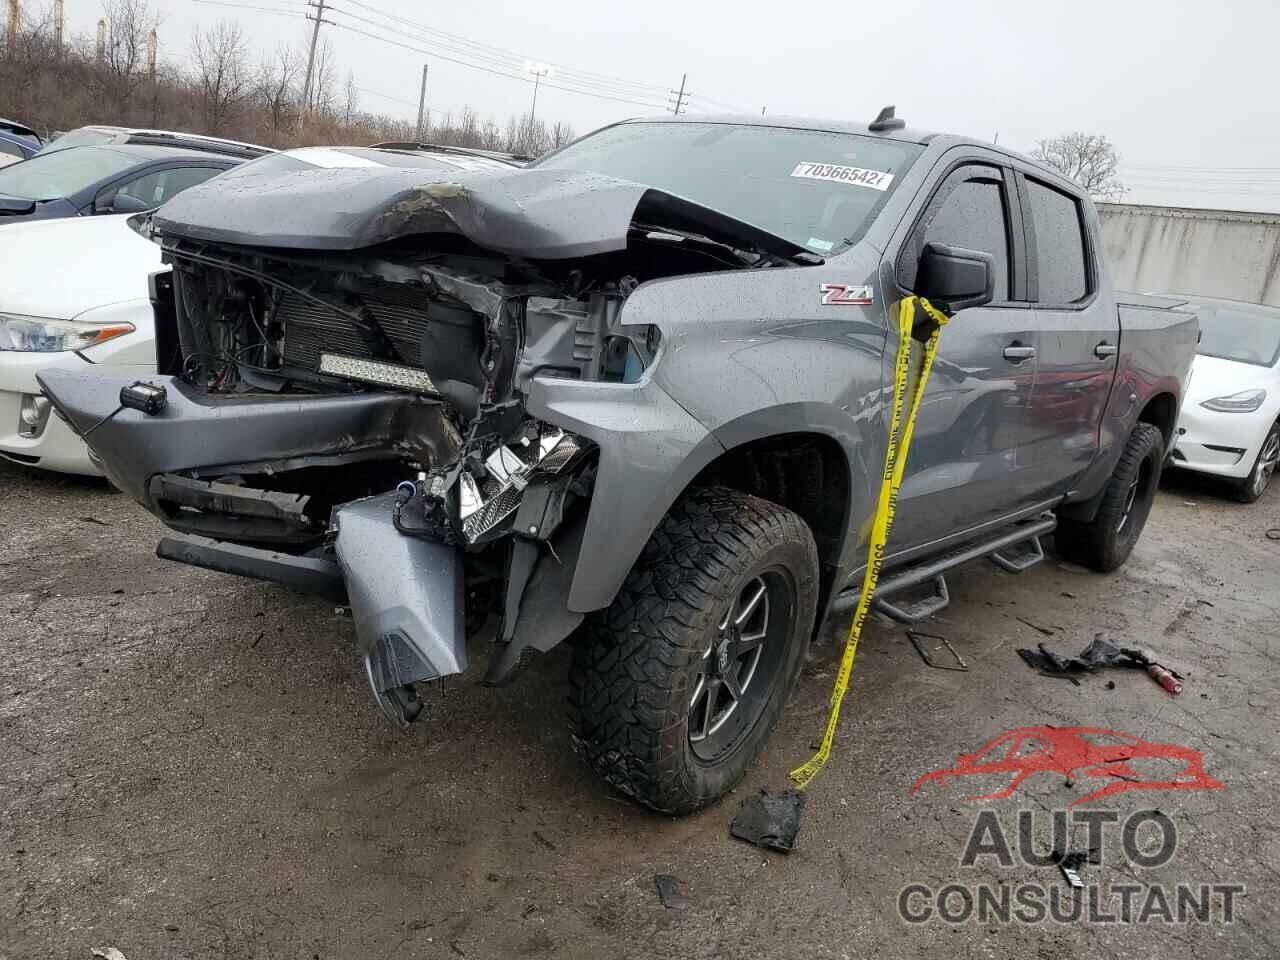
<point x="1015" y="550"/>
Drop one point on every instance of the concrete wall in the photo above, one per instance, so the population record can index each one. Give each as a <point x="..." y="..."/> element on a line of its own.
<point x="1213" y="253"/>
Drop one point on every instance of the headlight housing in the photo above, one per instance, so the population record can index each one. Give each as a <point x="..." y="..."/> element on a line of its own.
<point x="38" y="335"/>
<point x="1246" y="401"/>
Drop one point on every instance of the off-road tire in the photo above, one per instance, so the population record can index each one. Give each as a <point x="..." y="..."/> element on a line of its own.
<point x="635" y="664"/>
<point x="1104" y="543"/>
<point x="1252" y="487"/>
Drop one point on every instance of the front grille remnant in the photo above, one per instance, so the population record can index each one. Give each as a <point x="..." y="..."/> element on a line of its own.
<point x="311" y="330"/>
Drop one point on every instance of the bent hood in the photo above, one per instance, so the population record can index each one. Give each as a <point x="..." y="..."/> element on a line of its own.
<point x="61" y="268"/>
<point x="540" y="214"/>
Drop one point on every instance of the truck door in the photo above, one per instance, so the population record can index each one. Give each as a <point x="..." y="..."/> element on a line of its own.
<point x="1077" y="339"/>
<point x="973" y="415"/>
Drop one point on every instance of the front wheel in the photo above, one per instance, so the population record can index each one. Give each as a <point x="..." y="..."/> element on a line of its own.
<point x="677" y="685"/>
<point x="1105" y="542"/>
<point x="1253" y="486"/>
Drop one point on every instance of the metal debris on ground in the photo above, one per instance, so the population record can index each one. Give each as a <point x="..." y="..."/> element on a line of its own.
<point x="1273" y="533"/>
<point x="669" y="892"/>
<point x="1102" y="653"/>
<point x="108" y="953"/>
<point x="915" y="636"/>
<point x="1070" y="864"/>
<point x="770" y="820"/>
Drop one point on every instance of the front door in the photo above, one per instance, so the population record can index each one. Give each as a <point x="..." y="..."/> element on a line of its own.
<point x="964" y="455"/>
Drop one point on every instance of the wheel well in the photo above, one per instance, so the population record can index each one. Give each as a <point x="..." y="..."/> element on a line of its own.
<point x="1161" y="412"/>
<point x="804" y="472"/>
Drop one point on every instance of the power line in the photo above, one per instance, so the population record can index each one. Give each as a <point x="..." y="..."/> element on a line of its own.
<point x="491" y="51"/>
<point x="499" y="73"/>
<point x="248" y="6"/>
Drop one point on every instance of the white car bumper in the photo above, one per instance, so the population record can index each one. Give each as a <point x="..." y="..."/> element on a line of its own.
<point x="50" y="443"/>
<point x="1223" y="444"/>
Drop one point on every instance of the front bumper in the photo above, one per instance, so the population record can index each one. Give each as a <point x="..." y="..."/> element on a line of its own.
<point x="52" y="444"/>
<point x="1221" y="444"/>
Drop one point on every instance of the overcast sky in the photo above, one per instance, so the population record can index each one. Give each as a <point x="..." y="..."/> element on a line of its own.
<point x="1187" y="91"/>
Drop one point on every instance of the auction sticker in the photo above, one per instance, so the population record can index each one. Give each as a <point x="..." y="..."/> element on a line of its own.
<point x="875" y="179"/>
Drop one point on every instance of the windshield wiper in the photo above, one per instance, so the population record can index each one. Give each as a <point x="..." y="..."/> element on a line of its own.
<point x="752" y="257"/>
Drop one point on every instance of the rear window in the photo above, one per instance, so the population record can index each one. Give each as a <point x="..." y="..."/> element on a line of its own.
<point x="1241" y="335"/>
<point x="818" y="189"/>
<point x="1059" y="248"/>
<point x="51" y="176"/>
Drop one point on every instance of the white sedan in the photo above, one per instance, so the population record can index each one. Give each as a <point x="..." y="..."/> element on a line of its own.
<point x="1230" y="420"/>
<point x="75" y="292"/>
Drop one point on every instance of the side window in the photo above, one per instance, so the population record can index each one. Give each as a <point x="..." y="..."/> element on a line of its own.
<point x="1059" y="257"/>
<point x="155" y="188"/>
<point x="969" y="213"/>
<point x="11" y="149"/>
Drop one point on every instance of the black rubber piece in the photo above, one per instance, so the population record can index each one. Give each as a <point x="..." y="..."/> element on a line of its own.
<point x="1098" y="544"/>
<point x="634" y="663"/>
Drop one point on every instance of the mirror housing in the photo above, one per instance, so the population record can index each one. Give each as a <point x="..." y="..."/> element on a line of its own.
<point x="119" y="203"/>
<point x="954" y="278"/>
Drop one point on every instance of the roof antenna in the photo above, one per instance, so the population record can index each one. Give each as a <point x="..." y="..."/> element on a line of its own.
<point x="885" y="120"/>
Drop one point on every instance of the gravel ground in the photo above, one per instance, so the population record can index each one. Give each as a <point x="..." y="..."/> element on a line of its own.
<point x="191" y="765"/>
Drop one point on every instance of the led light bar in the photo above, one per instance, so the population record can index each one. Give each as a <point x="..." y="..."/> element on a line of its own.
<point x="376" y="371"/>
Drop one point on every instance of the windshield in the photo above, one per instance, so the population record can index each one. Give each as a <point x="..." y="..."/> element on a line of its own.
<point x="817" y="189"/>
<point x="1244" y="335"/>
<point x="52" y="176"/>
<point x="77" y="138"/>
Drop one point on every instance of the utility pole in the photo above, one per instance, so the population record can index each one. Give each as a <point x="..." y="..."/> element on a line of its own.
<point x="537" y="71"/>
<point x="680" y="96"/>
<point x="59" y="18"/>
<point x="102" y="40"/>
<point x="422" y="105"/>
<point x="311" y="56"/>
<point x="153" y="48"/>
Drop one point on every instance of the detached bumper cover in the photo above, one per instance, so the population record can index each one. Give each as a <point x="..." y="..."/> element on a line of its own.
<point x="406" y="600"/>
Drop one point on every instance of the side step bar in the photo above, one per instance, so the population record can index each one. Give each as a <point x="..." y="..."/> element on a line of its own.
<point x="305" y="574"/>
<point x="998" y="549"/>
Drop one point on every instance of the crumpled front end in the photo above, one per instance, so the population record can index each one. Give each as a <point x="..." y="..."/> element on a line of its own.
<point x="364" y="421"/>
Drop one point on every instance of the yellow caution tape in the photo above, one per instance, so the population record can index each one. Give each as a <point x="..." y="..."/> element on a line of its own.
<point x="895" y="463"/>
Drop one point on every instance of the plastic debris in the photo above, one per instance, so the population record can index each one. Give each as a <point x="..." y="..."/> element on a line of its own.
<point x="1102" y="653"/>
<point x="770" y="820"/>
<point x="108" y="953"/>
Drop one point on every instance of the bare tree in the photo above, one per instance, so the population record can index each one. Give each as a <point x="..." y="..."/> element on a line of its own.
<point x="1087" y="158"/>
<point x="322" y="80"/>
<point x="129" y="24"/>
<point x="561" y="134"/>
<point x="350" y="98"/>
<point x="221" y="59"/>
<point x="275" y="87"/>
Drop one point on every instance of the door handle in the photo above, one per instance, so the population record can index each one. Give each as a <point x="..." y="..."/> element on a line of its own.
<point x="1017" y="352"/>
<point x="1105" y="349"/>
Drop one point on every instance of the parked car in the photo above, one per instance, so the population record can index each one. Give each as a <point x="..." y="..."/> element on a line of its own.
<point x="17" y="142"/>
<point x="74" y="292"/>
<point x="1230" y="421"/>
<point x="637" y="390"/>
<point x="86" y="181"/>
<point x="99" y="136"/>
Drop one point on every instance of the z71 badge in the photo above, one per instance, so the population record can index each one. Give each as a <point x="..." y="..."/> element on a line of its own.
<point x="843" y="294"/>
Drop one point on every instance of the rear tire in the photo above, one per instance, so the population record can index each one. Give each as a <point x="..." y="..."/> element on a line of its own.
<point x="1104" y="543"/>
<point x="677" y="685"/>
<point x="1254" y="486"/>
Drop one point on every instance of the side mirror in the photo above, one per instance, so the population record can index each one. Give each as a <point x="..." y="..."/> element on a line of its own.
<point x="119" y="203"/>
<point x="954" y="278"/>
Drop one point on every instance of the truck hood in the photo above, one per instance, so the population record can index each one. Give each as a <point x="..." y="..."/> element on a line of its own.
<point x="539" y="214"/>
<point x="61" y="268"/>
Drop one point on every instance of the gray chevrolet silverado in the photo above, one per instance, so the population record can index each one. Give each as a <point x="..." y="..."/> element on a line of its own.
<point x="635" y="395"/>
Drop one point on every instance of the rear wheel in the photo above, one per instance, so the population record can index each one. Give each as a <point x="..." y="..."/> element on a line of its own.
<point x="1253" y="486"/>
<point x="1105" y="542"/>
<point x="676" y="687"/>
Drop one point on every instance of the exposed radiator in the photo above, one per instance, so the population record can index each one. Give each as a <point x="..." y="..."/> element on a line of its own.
<point x="310" y="329"/>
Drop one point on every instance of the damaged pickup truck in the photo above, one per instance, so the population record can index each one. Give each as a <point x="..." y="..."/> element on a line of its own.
<point x="636" y="393"/>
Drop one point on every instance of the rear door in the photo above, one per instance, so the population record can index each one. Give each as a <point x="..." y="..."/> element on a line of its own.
<point x="1077" y="338"/>
<point x="972" y="418"/>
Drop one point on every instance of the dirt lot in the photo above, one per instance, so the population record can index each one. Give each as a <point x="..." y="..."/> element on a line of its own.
<point x="192" y="766"/>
